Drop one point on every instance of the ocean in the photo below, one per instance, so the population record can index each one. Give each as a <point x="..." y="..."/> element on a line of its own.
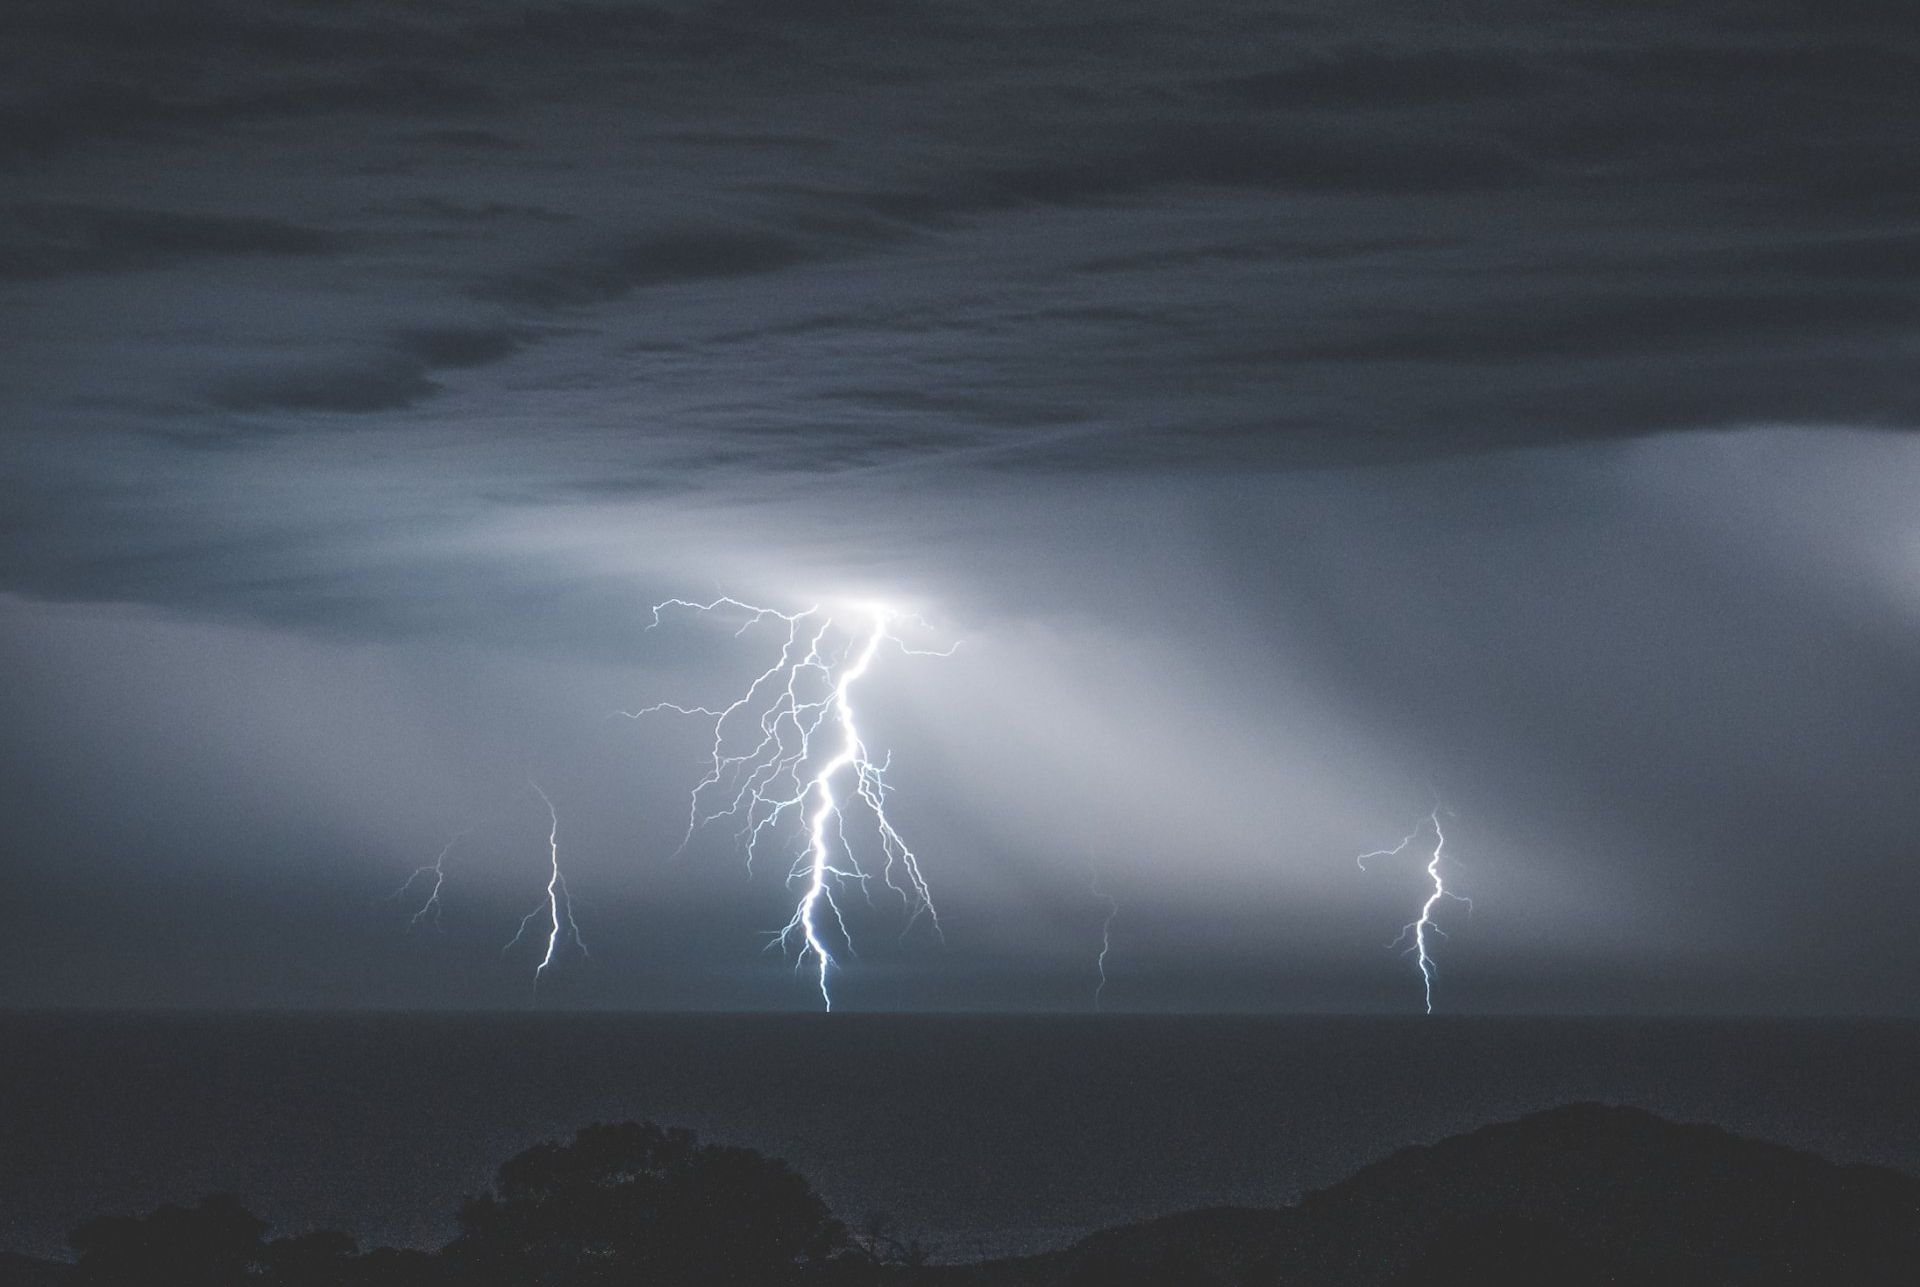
<point x="982" y="1135"/>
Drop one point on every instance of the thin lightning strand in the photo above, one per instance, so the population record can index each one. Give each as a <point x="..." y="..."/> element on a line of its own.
<point x="1106" y="939"/>
<point x="1418" y="929"/>
<point x="431" y="907"/>
<point x="767" y="764"/>
<point x="559" y="905"/>
<point x="438" y="870"/>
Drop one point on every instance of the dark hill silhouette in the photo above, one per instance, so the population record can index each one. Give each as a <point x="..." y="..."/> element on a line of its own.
<point x="1614" y="1191"/>
<point x="1572" y="1196"/>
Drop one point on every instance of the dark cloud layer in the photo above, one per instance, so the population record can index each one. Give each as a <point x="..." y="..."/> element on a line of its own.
<point x="384" y="379"/>
<point x="54" y="240"/>
<point x="1625" y="226"/>
<point x="1515" y="397"/>
<point x="669" y="258"/>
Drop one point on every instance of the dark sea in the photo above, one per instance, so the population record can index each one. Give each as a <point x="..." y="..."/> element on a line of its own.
<point x="983" y="1135"/>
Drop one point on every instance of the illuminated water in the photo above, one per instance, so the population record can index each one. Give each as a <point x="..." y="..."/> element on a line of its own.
<point x="985" y="1134"/>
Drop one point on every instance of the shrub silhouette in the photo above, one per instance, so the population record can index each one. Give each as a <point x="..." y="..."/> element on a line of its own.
<point x="385" y="1267"/>
<point x="216" y="1244"/>
<point x="620" y="1204"/>
<point x="323" y="1258"/>
<point x="1165" y="1267"/>
<point x="637" y="1204"/>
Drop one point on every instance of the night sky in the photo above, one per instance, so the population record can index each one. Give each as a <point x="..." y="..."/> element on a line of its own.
<point x="1298" y="413"/>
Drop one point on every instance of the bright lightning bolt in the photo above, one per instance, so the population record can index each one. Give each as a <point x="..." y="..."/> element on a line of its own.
<point x="1418" y="929"/>
<point x="783" y="748"/>
<point x="559" y="905"/>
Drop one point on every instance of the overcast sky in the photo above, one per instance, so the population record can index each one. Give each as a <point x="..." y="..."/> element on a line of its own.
<point x="1299" y="414"/>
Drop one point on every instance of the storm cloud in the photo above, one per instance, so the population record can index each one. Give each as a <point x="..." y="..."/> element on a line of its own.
<point x="1299" y="411"/>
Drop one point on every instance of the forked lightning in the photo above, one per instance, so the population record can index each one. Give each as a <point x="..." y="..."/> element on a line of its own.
<point x="789" y="747"/>
<point x="1418" y="929"/>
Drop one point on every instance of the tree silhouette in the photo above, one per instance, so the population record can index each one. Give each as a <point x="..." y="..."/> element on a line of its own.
<point x="633" y="1203"/>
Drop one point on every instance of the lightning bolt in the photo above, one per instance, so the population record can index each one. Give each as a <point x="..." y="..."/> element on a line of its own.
<point x="785" y="748"/>
<point x="436" y="869"/>
<point x="1106" y="938"/>
<point x="1418" y="929"/>
<point x="559" y="904"/>
<point x="430" y="907"/>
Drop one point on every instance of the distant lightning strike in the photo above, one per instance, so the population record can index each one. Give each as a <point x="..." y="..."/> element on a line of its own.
<point x="1418" y="930"/>
<point x="430" y="907"/>
<point x="1106" y="939"/>
<point x="800" y="705"/>
<point x="559" y="904"/>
